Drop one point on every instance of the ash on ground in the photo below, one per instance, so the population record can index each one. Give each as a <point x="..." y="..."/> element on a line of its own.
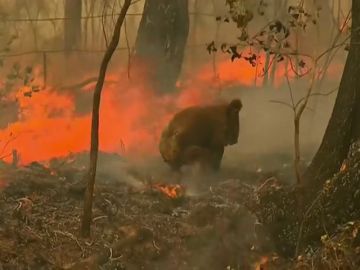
<point x="136" y="225"/>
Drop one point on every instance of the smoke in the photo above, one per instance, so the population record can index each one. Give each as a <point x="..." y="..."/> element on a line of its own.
<point x="53" y="122"/>
<point x="56" y="121"/>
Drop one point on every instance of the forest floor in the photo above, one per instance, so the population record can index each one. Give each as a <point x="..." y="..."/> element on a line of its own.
<point x="134" y="226"/>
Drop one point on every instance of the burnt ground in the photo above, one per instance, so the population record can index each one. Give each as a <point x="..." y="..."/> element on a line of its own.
<point x="134" y="226"/>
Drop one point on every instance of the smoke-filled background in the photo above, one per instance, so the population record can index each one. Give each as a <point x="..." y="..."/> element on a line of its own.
<point x="49" y="66"/>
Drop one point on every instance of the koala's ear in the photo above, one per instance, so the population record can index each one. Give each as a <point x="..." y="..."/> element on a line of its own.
<point x="235" y="105"/>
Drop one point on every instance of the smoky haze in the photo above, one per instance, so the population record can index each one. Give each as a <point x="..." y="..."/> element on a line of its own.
<point x="265" y="127"/>
<point x="52" y="124"/>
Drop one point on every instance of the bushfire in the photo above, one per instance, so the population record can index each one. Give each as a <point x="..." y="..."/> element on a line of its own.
<point x="131" y="117"/>
<point x="173" y="191"/>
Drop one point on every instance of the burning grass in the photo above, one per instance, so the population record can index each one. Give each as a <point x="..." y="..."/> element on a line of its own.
<point x="173" y="191"/>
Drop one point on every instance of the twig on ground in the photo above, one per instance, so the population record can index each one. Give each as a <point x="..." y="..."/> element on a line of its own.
<point x="99" y="217"/>
<point x="71" y="236"/>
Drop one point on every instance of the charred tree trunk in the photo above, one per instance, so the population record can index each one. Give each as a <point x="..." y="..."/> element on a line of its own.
<point x="72" y="25"/>
<point x="161" y="40"/>
<point x="344" y="125"/>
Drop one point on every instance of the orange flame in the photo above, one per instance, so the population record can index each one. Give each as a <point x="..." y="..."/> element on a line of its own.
<point x="131" y="121"/>
<point x="171" y="191"/>
<point x="240" y="72"/>
<point x="132" y="115"/>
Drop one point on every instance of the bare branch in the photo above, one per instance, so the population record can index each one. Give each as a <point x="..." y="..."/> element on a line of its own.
<point x="282" y="103"/>
<point x="306" y="98"/>
<point x="89" y="17"/>
<point x="268" y="67"/>
<point x="82" y="84"/>
<point x="128" y="48"/>
<point x="317" y="94"/>
<point x="293" y="69"/>
<point x="103" y="24"/>
<point x="290" y="92"/>
<point x="332" y="48"/>
<point x="330" y="57"/>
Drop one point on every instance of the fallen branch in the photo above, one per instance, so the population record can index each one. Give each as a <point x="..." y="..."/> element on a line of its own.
<point x="71" y="236"/>
<point x="79" y="85"/>
<point x="82" y="84"/>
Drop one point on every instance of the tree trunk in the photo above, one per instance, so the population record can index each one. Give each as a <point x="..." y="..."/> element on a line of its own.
<point x="326" y="20"/>
<point x="72" y="25"/>
<point x="88" y="200"/>
<point x="161" y="41"/>
<point x="344" y="125"/>
<point x="270" y="60"/>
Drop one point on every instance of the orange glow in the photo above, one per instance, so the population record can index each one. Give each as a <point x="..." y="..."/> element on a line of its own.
<point x="262" y="264"/>
<point x="132" y="115"/>
<point x="230" y="73"/>
<point x="241" y="72"/>
<point x="171" y="191"/>
<point x="343" y="167"/>
<point x="131" y="120"/>
<point x="344" y="24"/>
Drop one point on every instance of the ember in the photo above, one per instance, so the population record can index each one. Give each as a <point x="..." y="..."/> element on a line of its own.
<point x="262" y="264"/>
<point x="343" y="167"/>
<point x="171" y="191"/>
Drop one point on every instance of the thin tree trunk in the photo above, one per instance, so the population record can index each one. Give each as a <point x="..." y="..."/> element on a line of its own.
<point x="278" y="11"/>
<point x="297" y="155"/>
<point x="72" y="26"/>
<point x="161" y="40"/>
<point x="86" y="23"/>
<point x="88" y="200"/>
<point x="92" y="7"/>
<point x="194" y="28"/>
<point x="344" y="125"/>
